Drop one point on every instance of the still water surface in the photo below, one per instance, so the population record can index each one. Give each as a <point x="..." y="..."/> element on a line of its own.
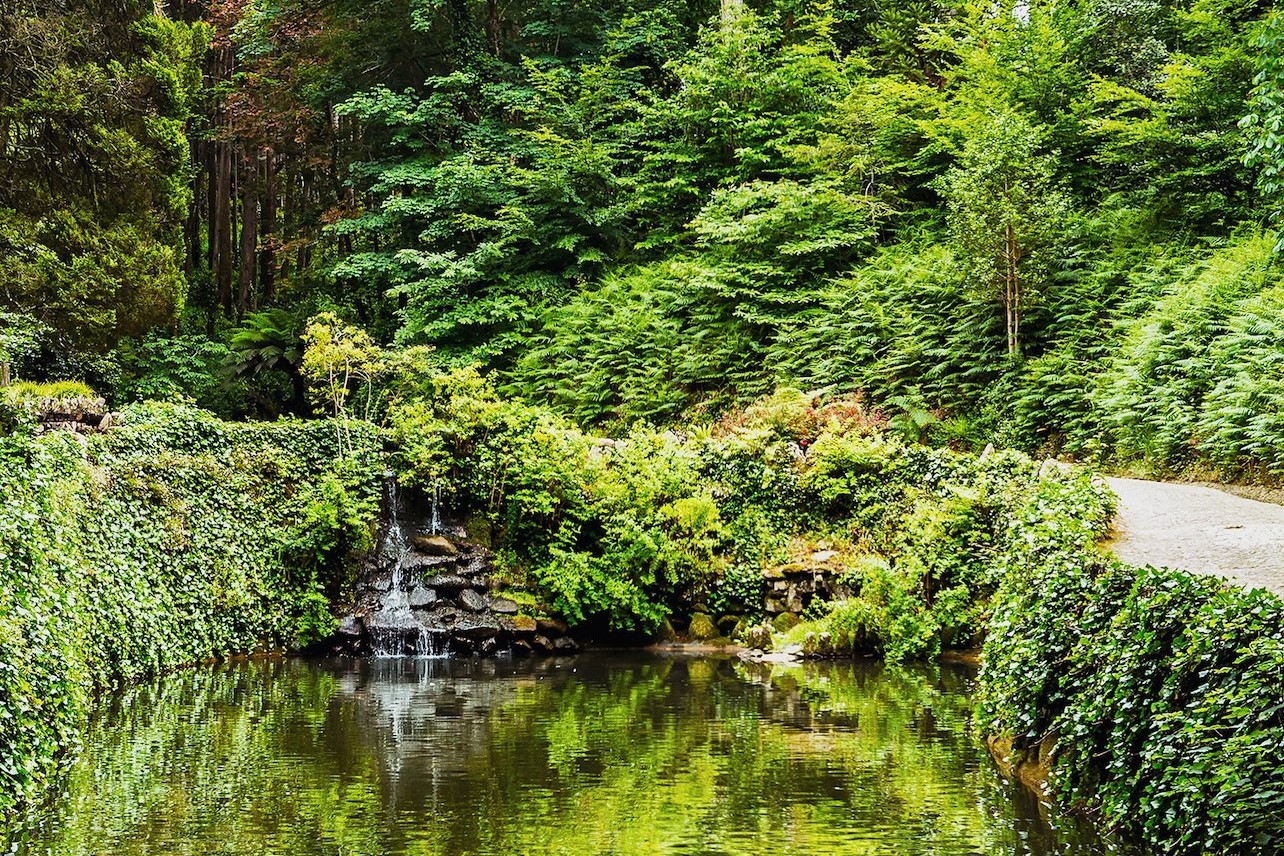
<point x="598" y="754"/>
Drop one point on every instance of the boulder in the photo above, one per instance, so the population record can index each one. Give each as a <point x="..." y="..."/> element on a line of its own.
<point x="445" y="615"/>
<point x="449" y="583"/>
<point x="351" y="626"/>
<point x="702" y="627"/>
<point x="476" y="627"/>
<point x="471" y="600"/>
<point x="422" y="598"/>
<point x="553" y="627"/>
<point x="665" y="632"/>
<point x="727" y="624"/>
<point x="503" y="606"/>
<point x="785" y="621"/>
<point x="543" y="644"/>
<point x="565" y="645"/>
<point x="522" y="624"/>
<point x="435" y="545"/>
<point x="758" y="636"/>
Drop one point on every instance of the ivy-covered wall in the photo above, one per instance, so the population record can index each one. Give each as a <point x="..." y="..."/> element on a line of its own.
<point x="174" y="538"/>
<point x="1152" y="696"/>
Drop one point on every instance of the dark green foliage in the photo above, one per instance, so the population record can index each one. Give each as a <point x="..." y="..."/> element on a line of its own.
<point x="174" y="539"/>
<point x="93" y="101"/>
<point x="1158" y="689"/>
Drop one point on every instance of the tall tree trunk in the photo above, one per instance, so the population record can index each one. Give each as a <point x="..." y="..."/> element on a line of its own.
<point x="223" y="228"/>
<point x="267" y="228"/>
<point x="249" y="248"/>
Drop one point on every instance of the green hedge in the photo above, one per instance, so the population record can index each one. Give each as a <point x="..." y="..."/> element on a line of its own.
<point x="175" y="538"/>
<point x="1158" y="691"/>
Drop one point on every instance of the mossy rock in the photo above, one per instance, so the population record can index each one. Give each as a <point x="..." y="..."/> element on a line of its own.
<point x="702" y="627"/>
<point x="785" y="621"/>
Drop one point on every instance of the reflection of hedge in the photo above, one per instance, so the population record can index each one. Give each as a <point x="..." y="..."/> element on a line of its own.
<point x="1161" y="690"/>
<point x="177" y="538"/>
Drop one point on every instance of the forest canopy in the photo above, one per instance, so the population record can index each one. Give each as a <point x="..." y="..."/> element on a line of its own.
<point x="1044" y="223"/>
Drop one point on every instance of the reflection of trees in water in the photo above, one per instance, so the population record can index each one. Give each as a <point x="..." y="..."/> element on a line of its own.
<point x="620" y="754"/>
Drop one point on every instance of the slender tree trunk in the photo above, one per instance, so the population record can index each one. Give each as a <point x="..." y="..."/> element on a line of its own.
<point x="249" y="249"/>
<point x="1011" y="295"/>
<point x="223" y="228"/>
<point x="267" y="252"/>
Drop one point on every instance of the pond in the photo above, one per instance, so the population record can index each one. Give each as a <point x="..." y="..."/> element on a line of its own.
<point x="606" y="753"/>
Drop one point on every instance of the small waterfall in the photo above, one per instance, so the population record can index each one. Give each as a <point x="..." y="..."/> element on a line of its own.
<point x="396" y="630"/>
<point x="436" y="508"/>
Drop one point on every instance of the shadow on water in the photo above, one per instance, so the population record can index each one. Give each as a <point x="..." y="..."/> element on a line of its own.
<point x="597" y="754"/>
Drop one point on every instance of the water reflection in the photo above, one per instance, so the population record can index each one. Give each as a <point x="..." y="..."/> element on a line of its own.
<point x="599" y="754"/>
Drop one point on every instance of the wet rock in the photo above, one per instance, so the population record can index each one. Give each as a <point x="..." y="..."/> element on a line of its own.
<point x="351" y="626"/>
<point x="445" y="616"/>
<point x="471" y="600"/>
<point x="543" y="644"/>
<point x="503" y="606"/>
<point x="380" y="584"/>
<point x="417" y="562"/>
<point x="565" y="645"/>
<point x="435" y="545"/>
<point x="422" y="598"/>
<point x="480" y="627"/>
<point x="553" y="627"/>
<point x="487" y="647"/>
<point x="818" y="645"/>
<point x="447" y="584"/>
<point x="759" y="636"/>
<point x="522" y="624"/>
<point x="523" y="648"/>
<point x="702" y="627"/>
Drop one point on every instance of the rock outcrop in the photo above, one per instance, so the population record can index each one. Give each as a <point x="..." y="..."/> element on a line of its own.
<point x="434" y="593"/>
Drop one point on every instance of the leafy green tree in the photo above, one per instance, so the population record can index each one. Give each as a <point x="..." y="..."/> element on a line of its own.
<point x="338" y="360"/>
<point x="1265" y="121"/>
<point x="1006" y="216"/>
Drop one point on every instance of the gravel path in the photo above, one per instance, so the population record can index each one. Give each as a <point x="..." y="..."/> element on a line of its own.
<point x="1200" y="529"/>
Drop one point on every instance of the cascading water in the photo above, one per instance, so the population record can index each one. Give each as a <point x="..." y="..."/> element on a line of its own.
<point x="395" y="628"/>
<point x="436" y="508"/>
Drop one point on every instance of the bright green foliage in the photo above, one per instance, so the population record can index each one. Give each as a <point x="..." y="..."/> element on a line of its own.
<point x="1169" y="360"/>
<point x="1006" y="217"/>
<point x="1157" y="689"/>
<point x="622" y="532"/>
<point x="340" y="362"/>
<point x="1264" y="123"/>
<point x="175" y="538"/>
